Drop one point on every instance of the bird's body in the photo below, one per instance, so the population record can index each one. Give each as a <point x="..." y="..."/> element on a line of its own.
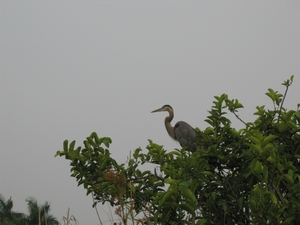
<point x="182" y="132"/>
<point x="185" y="135"/>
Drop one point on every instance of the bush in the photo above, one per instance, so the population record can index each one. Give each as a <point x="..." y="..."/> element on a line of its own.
<point x="245" y="176"/>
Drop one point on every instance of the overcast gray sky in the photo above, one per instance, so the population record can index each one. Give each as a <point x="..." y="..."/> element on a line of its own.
<point x="69" y="68"/>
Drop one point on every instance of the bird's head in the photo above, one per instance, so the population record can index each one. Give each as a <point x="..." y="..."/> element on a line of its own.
<point x="163" y="109"/>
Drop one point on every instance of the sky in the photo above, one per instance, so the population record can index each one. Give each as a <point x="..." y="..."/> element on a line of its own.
<point x="70" y="68"/>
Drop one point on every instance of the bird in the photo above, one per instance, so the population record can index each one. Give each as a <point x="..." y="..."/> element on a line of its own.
<point x="182" y="132"/>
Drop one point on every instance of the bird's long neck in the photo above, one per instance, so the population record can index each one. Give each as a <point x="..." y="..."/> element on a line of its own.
<point x="168" y="125"/>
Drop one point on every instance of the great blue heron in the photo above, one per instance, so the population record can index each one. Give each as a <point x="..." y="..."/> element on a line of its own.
<point x="182" y="132"/>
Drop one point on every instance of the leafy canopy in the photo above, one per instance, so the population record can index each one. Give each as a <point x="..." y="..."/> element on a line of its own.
<point x="245" y="176"/>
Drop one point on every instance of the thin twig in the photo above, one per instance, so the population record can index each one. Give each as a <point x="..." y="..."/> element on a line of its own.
<point x="131" y="199"/>
<point x="96" y="209"/>
<point x="281" y="105"/>
<point x="237" y="116"/>
<point x="68" y="214"/>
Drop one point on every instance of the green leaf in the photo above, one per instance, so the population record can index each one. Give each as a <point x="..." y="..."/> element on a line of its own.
<point x="288" y="179"/>
<point x="170" y="181"/>
<point x="59" y="153"/>
<point x="94" y="135"/>
<point x="213" y="195"/>
<point x="265" y="173"/>
<point x="186" y="192"/>
<point x="271" y="94"/>
<point x="260" y="110"/>
<point x="273" y="198"/>
<point x="296" y="204"/>
<point x="187" y="208"/>
<point x="297" y="156"/>
<point x="136" y="153"/>
<point x="106" y="141"/>
<point x="258" y="168"/>
<point x="256" y="148"/>
<point x="208" y="173"/>
<point x="252" y="203"/>
<point x="167" y="197"/>
<point x="268" y="139"/>
<point x="268" y="147"/>
<point x="87" y="145"/>
<point x="71" y="148"/>
<point x="240" y="202"/>
<point x="288" y="221"/>
<point x="255" y="140"/>
<point x="253" y="163"/>
<point x="91" y="142"/>
<point x="66" y="146"/>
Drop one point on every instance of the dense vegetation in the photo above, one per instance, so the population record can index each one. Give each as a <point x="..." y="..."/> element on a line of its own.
<point x="245" y="176"/>
<point x="38" y="214"/>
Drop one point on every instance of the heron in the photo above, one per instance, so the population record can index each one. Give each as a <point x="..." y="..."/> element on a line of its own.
<point x="184" y="133"/>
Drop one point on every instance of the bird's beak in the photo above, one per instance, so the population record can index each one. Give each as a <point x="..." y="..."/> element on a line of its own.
<point x="157" y="110"/>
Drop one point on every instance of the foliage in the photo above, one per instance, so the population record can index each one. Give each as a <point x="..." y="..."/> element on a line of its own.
<point x="245" y="176"/>
<point x="7" y="215"/>
<point x="38" y="214"/>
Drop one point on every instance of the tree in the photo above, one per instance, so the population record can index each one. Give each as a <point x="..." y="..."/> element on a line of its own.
<point x="7" y="215"/>
<point x="5" y="209"/>
<point x="39" y="214"/>
<point x="245" y="176"/>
